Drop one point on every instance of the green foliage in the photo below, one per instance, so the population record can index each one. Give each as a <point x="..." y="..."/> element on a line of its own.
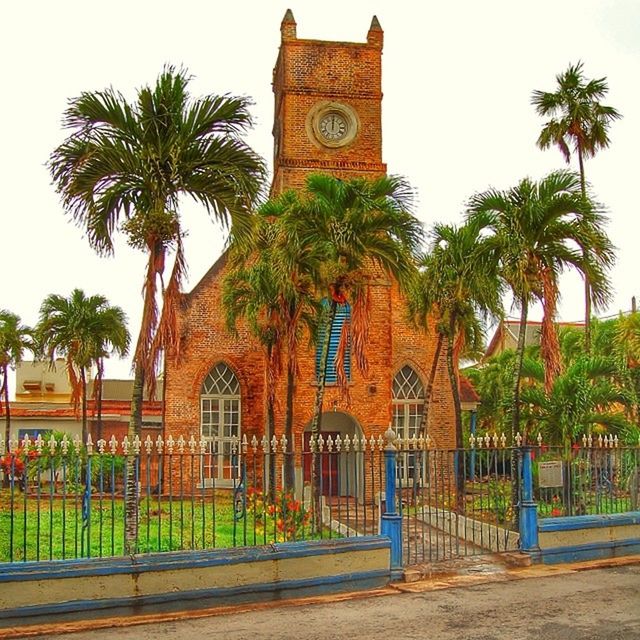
<point x="577" y="118"/>
<point x="595" y="394"/>
<point x="500" y="500"/>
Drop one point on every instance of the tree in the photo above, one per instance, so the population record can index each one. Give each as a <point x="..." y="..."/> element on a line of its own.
<point x="457" y="284"/>
<point x="578" y="120"/>
<point x="360" y="229"/>
<point x="111" y="337"/>
<point x="584" y="398"/>
<point x="126" y="166"/>
<point x="15" y="339"/>
<point x="83" y="330"/>
<point x="269" y="285"/>
<point x="538" y="230"/>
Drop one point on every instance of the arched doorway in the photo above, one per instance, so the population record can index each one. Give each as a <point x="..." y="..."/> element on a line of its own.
<point x="341" y="470"/>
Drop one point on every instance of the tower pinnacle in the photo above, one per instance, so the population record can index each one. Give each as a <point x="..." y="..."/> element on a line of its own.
<point x="288" y="26"/>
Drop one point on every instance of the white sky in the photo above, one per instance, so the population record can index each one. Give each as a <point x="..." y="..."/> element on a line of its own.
<point x="457" y="81"/>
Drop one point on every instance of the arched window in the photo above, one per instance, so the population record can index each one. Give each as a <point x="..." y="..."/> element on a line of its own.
<point x="343" y="314"/>
<point x="220" y="420"/>
<point x="408" y="408"/>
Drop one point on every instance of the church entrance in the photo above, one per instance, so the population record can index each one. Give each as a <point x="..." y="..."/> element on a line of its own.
<point x="341" y="471"/>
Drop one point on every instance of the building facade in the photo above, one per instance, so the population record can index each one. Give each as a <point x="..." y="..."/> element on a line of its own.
<point x="43" y="405"/>
<point x="327" y="118"/>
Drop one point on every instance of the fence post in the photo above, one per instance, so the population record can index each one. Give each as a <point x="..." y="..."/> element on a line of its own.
<point x="528" y="506"/>
<point x="391" y="521"/>
<point x="472" y="466"/>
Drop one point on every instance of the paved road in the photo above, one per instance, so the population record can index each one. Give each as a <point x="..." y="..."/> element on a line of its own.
<point x="600" y="604"/>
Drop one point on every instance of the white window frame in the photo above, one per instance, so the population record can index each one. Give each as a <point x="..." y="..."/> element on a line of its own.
<point x="403" y="416"/>
<point x="220" y="446"/>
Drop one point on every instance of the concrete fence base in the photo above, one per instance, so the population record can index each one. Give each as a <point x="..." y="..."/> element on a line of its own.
<point x="576" y="538"/>
<point x="32" y="593"/>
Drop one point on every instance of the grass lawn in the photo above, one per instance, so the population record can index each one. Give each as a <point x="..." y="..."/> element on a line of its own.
<point x="53" y="529"/>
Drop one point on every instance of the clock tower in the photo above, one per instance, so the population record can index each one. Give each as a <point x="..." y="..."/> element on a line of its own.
<point x="327" y="116"/>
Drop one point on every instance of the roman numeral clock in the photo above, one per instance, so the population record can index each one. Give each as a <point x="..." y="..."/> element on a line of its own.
<point x="333" y="124"/>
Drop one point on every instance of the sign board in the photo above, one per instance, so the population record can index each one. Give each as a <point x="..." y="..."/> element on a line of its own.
<point x="550" y="474"/>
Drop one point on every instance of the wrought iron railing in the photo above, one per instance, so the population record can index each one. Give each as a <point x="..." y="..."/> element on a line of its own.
<point x="457" y="502"/>
<point x="63" y="500"/>
<point x="597" y="475"/>
<point x="60" y="499"/>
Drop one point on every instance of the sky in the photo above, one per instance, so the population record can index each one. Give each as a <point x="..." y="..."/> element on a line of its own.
<point x="457" y="118"/>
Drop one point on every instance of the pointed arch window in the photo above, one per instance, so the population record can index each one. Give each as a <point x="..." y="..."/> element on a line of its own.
<point x="408" y="409"/>
<point x="220" y="421"/>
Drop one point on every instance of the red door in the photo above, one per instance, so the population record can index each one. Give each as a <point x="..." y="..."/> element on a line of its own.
<point x="329" y="464"/>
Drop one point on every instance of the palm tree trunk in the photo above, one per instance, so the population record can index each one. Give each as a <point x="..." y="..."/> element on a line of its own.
<point x="99" y="398"/>
<point x="316" y="422"/>
<point x="7" y="408"/>
<point x="587" y="284"/>
<point x="270" y="427"/>
<point x="131" y="499"/>
<point x="515" y="415"/>
<point x="430" y="382"/>
<point x="455" y="392"/>
<point x="517" y="374"/>
<point x="289" y="461"/>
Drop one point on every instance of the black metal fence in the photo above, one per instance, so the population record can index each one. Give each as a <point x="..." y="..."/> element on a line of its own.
<point x="457" y="502"/>
<point x="62" y="500"/>
<point x="595" y="476"/>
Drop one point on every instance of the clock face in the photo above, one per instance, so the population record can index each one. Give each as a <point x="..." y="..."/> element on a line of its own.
<point x="333" y="126"/>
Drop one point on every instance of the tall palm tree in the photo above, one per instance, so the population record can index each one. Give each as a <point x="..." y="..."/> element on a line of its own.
<point x="126" y="166"/>
<point x="538" y="230"/>
<point x="578" y="123"/>
<point x="83" y="330"/>
<point x="458" y="285"/>
<point x="358" y="227"/>
<point x="15" y="339"/>
<point x="252" y="292"/>
<point x="268" y="286"/>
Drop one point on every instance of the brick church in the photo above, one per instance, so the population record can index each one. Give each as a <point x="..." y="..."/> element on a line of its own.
<point x="327" y="118"/>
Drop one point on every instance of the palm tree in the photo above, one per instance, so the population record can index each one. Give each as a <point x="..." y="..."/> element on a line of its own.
<point x="539" y="229"/>
<point x="584" y="398"/>
<point x="252" y="292"/>
<point x="83" y="330"/>
<point x="267" y="286"/>
<point x="578" y="120"/>
<point x="15" y="338"/>
<point x="126" y="165"/>
<point x="457" y="284"/>
<point x="111" y="337"/>
<point x="622" y="340"/>
<point x="356" y="228"/>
